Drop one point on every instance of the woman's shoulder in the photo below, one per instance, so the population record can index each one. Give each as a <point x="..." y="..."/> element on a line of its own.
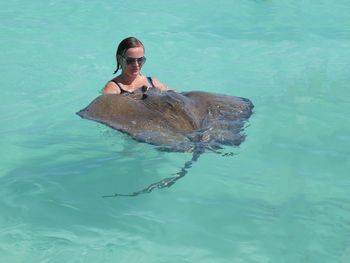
<point x="157" y="84"/>
<point x="111" y="87"/>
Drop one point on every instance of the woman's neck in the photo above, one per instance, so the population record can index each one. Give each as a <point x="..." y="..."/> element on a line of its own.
<point x="127" y="80"/>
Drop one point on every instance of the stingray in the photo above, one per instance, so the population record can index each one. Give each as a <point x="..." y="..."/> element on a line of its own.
<point x="193" y="122"/>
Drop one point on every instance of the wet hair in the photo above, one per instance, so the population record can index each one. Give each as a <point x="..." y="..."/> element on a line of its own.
<point x="124" y="45"/>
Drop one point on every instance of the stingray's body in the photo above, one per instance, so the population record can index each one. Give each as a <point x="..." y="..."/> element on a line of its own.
<point x="189" y="121"/>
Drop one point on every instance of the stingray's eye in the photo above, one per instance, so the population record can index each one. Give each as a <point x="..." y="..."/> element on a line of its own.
<point x="144" y="96"/>
<point x="144" y="88"/>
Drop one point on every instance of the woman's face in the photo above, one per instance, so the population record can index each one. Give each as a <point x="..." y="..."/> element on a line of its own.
<point x="131" y="62"/>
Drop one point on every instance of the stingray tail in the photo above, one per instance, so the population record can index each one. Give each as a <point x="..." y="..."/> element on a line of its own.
<point x="166" y="182"/>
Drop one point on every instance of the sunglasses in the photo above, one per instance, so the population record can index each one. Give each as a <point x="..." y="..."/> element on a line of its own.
<point x="130" y="60"/>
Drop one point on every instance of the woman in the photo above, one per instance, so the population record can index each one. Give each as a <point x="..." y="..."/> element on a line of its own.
<point x="130" y="58"/>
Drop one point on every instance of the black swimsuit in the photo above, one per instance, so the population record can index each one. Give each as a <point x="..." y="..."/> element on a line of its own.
<point x="125" y="91"/>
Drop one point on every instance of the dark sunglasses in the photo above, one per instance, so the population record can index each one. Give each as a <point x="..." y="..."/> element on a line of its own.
<point x="130" y="60"/>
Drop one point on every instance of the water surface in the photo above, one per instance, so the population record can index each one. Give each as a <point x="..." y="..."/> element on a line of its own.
<point x="283" y="195"/>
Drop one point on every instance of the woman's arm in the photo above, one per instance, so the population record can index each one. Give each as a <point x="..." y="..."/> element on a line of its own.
<point x="111" y="88"/>
<point x="159" y="85"/>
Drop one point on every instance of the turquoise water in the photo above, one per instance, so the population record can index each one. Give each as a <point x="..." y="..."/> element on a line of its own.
<point x="282" y="197"/>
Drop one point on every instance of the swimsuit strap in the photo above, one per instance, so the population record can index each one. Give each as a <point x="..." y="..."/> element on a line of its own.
<point x="150" y="81"/>
<point x="121" y="89"/>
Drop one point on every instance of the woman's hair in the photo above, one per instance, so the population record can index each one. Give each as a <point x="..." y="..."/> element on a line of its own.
<point x="124" y="45"/>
